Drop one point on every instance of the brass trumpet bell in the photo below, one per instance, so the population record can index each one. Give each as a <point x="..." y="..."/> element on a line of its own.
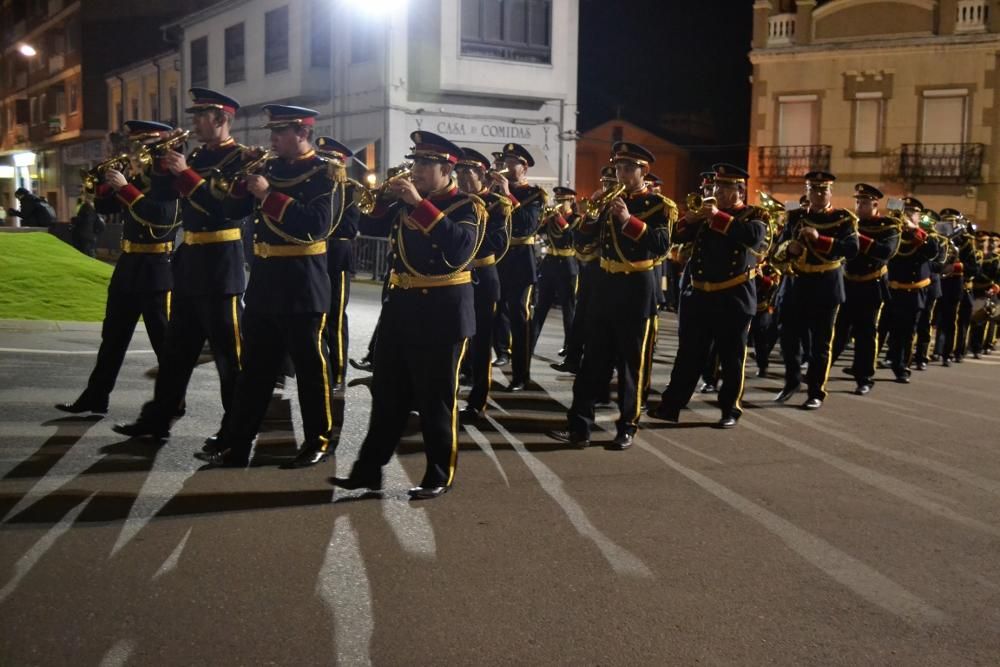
<point x="697" y="202"/>
<point x="366" y="198"/>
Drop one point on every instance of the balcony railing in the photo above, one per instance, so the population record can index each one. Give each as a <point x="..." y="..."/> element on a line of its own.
<point x="941" y="163"/>
<point x="780" y="29"/>
<point x="790" y="163"/>
<point x="972" y="15"/>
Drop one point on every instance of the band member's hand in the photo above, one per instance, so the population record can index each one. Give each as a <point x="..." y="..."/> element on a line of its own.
<point x="115" y="179"/>
<point x="404" y="189"/>
<point x="501" y="183"/>
<point x="692" y="217"/>
<point x="619" y="211"/>
<point x="258" y="186"/>
<point x="795" y="249"/>
<point x="910" y="225"/>
<point x="175" y="162"/>
<point x="809" y="233"/>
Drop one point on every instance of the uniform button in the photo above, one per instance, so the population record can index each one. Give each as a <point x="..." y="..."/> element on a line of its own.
<point x="423" y="291"/>
<point x="434" y="245"/>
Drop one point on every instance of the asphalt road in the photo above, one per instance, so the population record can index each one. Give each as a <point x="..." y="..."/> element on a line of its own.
<point x="866" y="533"/>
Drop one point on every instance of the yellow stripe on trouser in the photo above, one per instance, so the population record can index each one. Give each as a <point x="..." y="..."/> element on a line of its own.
<point x="527" y="329"/>
<point x="168" y="304"/>
<point x="236" y="336"/>
<point x="829" y="353"/>
<point x="642" y="368"/>
<point x="743" y="374"/>
<point x="340" y="329"/>
<point x="454" y="415"/>
<point x="489" y="366"/>
<point x="649" y="355"/>
<point x="878" y="318"/>
<point x="326" y="381"/>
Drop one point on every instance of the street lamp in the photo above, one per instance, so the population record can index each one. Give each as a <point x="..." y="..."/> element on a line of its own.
<point x="27" y="50"/>
<point x="376" y="8"/>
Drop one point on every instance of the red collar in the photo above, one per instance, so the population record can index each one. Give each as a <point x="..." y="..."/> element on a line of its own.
<point x="450" y="191"/>
<point x="229" y="141"/>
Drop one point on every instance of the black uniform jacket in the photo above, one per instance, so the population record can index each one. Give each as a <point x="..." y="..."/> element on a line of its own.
<point x="434" y="241"/>
<point x="212" y="203"/>
<point x="819" y="272"/>
<point x="518" y="267"/>
<point x="293" y="221"/>
<point x="878" y="242"/>
<point x="726" y="250"/>
<point x="151" y="214"/>
<point x="626" y="284"/>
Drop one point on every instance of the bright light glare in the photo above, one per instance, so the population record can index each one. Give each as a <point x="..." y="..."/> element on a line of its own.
<point x="371" y="180"/>
<point x="377" y="8"/>
<point x="24" y="159"/>
<point x="6" y="171"/>
<point x="27" y="50"/>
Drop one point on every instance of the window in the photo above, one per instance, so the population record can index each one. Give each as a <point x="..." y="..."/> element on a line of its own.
<point x="74" y="97"/>
<point x="34" y="110"/>
<point x="363" y="40"/>
<point x="59" y="95"/>
<point x="797" y="120"/>
<point x="199" y="62"/>
<point x="867" y="124"/>
<point x="235" y="69"/>
<point x="320" y="29"/>
<point x="154" y="106"/>
<point x="172" y="91"/>
<point x="519" y="30"/>
<point x="276" y="40"/>
<point x="944" y="117"/>
<point x="134" y="107"/>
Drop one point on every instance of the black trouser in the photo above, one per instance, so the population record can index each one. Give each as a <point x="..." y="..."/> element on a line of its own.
<point x="947" y="326"/>
<point x="964" y="323"/>
<point x="673" y="273"/>
<point x="555" y="285"/>
<point x="904" y="313"/>
<point x="859" y="317"/>
<point x="519" y="307"/>
<point x="421" y="376"/>
<point x="584" y="297"/>
<point x="815" y="321"/>
<point x="481" y="351"/>
<point x="764" y="332"/>
<point x="710" y="369"/>
<point x="501" y="330"/>
<point x="120" y="317"/>
<point x="269" y="338"/>
<point x="336" y="325"/>
<point x="193" y="320"/>
<point x="647" y="371"/>
<point x="710" y="329"/>
<point x="613" y="341"/>
<point x="925" y="320"/>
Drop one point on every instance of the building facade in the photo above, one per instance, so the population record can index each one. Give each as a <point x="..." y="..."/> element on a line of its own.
<point x="480" y="72"/>
<point x="897" y="93"/>
<point x="54" y="103"/>
<point x="593" y="151"/>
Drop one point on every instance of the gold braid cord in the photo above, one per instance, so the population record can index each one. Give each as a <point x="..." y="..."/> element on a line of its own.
<point x="480" y="209"/>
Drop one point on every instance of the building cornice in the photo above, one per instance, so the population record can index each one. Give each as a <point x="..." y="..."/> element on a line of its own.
<point x="204" y="14"/>
<point x="876" y="45"/>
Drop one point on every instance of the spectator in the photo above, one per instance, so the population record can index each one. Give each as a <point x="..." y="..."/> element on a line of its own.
<point x="34" y="211"/>
<point x="87" y="226"/>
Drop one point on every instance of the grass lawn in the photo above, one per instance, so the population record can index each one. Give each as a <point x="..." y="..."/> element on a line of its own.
<point x="42" y="278"/>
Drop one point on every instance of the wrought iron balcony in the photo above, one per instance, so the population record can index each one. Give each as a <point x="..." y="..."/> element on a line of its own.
<point x="778" y="164"/>
<point x="941" y="163"/>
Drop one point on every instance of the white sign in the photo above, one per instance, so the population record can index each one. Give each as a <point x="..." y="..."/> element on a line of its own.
<point x="486" y="131"/>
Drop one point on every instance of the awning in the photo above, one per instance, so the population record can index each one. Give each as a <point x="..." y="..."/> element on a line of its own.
<point x="543" y="171"/>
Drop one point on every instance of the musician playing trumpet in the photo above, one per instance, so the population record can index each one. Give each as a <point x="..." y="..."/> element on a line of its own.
<point x="720" y="297"/>
<point x="288" y="297"/>
<point x="142" y="280"/>
<point x="633" y="231"/>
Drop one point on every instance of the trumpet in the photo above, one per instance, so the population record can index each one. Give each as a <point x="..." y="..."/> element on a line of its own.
<point x="696" y="203"/>
<point x="592" y="208"/>
<point x="145" y="154"/>
<point x="225" y="182"/>
<point x="365" y="198"/>
<point x="92" y="177"/>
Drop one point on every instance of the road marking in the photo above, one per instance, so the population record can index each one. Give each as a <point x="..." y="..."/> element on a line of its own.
<point x="38" y="549"/>
<point x="860" y="578"/>
<point x="690" y="450"/>
<point x="118" y="654"/>
<point x="964" y="413"/>
<point x="621" y="560"/>
<point x="343" y="584"/>
<point x="484" y="444"/>
<point x="174" y="558"/>
<point x="895" y="487"/>
<point x="25" y="350"/>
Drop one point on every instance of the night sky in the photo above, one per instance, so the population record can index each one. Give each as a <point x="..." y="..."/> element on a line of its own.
<point x="653" y="57"/>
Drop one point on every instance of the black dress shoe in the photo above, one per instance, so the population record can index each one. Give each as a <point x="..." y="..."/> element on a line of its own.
<point x="517" y="386"/>
<point x="501" y="360"/>
<point x="882" y="365"/>
<point x="847" y="370"/>
<point x="621" y="442"/>
<point x="708" y="388"/>
<point x="921" y="366"/>
<point x="934" y="357"/>
<point x="310" y="454"/>
<point x="945" y="363"/>
<point x="665" y="412"/>
<point x="959" y="358"/>
<point x="812" y="404"/>
<point x="469" y="415"/>
<point x="863" y="389"/>
<point x="224" y="459"/>
<point x="364" y="364"/>
<point x="762" y="372"/>
<point x="729" y="421"/>
<point x="562" y="351"/>
<point x="356" y="481"/>
<point x="571" y="437"/>
<point x="902" y="378"/>
<point x="82" y="405"/>
<point x="428" y="492"/>
<point x="566" y="367"/>
<point x="786" y="393"/>
<point x="142" y="429"/>
<point x="212" y="440"/>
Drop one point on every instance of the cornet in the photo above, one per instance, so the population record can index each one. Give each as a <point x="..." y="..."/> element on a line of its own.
<point x="145" y="154"/>
<point x="225" y="182"/>
<point x="592" y="208"/>
<point x="696" y="203"/>
<point x="365" y="198"/>
<point x="92" y="177"/>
